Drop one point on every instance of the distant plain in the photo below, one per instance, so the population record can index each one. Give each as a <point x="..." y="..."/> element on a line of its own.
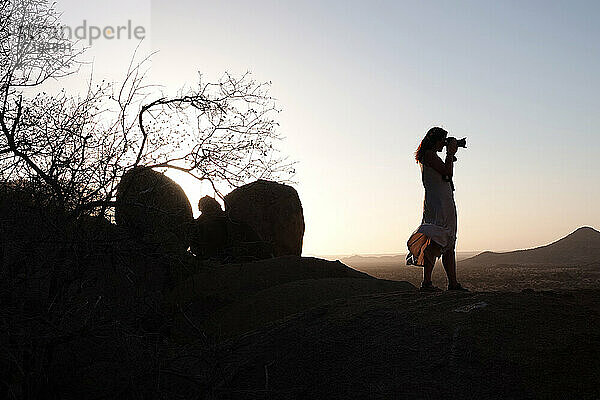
<point x="572" y="262"/>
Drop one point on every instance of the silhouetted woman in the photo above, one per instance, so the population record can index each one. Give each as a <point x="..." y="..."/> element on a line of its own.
<point x="436" y="236"/>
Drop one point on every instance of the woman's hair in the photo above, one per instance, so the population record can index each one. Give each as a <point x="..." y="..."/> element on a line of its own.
<point x="432" y="136"/>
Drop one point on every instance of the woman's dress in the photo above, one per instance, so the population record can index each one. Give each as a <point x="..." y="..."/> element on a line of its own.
<point x="439" y="218"/>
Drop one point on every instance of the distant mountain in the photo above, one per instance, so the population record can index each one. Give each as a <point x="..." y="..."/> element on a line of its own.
<point x="578" y="248"/>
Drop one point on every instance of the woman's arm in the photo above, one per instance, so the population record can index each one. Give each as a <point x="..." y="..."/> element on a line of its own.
<point x="445" y="168"/>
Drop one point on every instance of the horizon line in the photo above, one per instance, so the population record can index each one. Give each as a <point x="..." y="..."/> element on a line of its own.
<point x="381" y="254"/>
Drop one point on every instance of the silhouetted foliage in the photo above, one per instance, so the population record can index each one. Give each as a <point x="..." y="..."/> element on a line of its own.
<point x="79" y="146"/>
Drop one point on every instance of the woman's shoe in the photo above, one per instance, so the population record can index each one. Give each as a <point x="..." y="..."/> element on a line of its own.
<point x="458" y="287"/>
<point x="428" y="287"/>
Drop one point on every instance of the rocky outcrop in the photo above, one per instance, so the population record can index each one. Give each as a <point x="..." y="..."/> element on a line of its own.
<point x="154" y="209"/>
<point x="530" y="345"/>
<point x="206" y="293"/>
<point x="215" y="236"/>
<point x="273" y="211"/>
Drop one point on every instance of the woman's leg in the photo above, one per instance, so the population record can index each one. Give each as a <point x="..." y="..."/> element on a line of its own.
<point x="428" y="270"/>
<point x="431" y="254"/>
<point x="449" y="261"/>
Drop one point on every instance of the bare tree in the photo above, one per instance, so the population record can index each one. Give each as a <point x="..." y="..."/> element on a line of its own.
<point x="31" y="52"/>
<point x="77" y="147"/>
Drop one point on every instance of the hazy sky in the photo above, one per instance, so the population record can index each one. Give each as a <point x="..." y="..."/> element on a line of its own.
<point x="361" y="82"/>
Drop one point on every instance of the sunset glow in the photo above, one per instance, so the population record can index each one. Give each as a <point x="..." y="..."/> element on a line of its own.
<point x="361" y="83"/>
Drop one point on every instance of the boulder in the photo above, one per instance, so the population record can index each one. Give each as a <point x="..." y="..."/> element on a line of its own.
<point x="209" y="206"/>
<point x="244" y="244"/>
<point x="273" y="211"/>
<point x="215" y="236"/>
<point x="208" y="236"/>
<point x="154" y="209"/>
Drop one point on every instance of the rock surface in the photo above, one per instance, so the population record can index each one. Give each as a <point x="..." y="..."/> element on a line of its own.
<point x="494" y="345"/>
<point x="289" y="298"/>
<point x="207" y="293"/>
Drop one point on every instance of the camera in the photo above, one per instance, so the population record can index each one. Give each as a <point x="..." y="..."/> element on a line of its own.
<point x="459" y="142"/>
